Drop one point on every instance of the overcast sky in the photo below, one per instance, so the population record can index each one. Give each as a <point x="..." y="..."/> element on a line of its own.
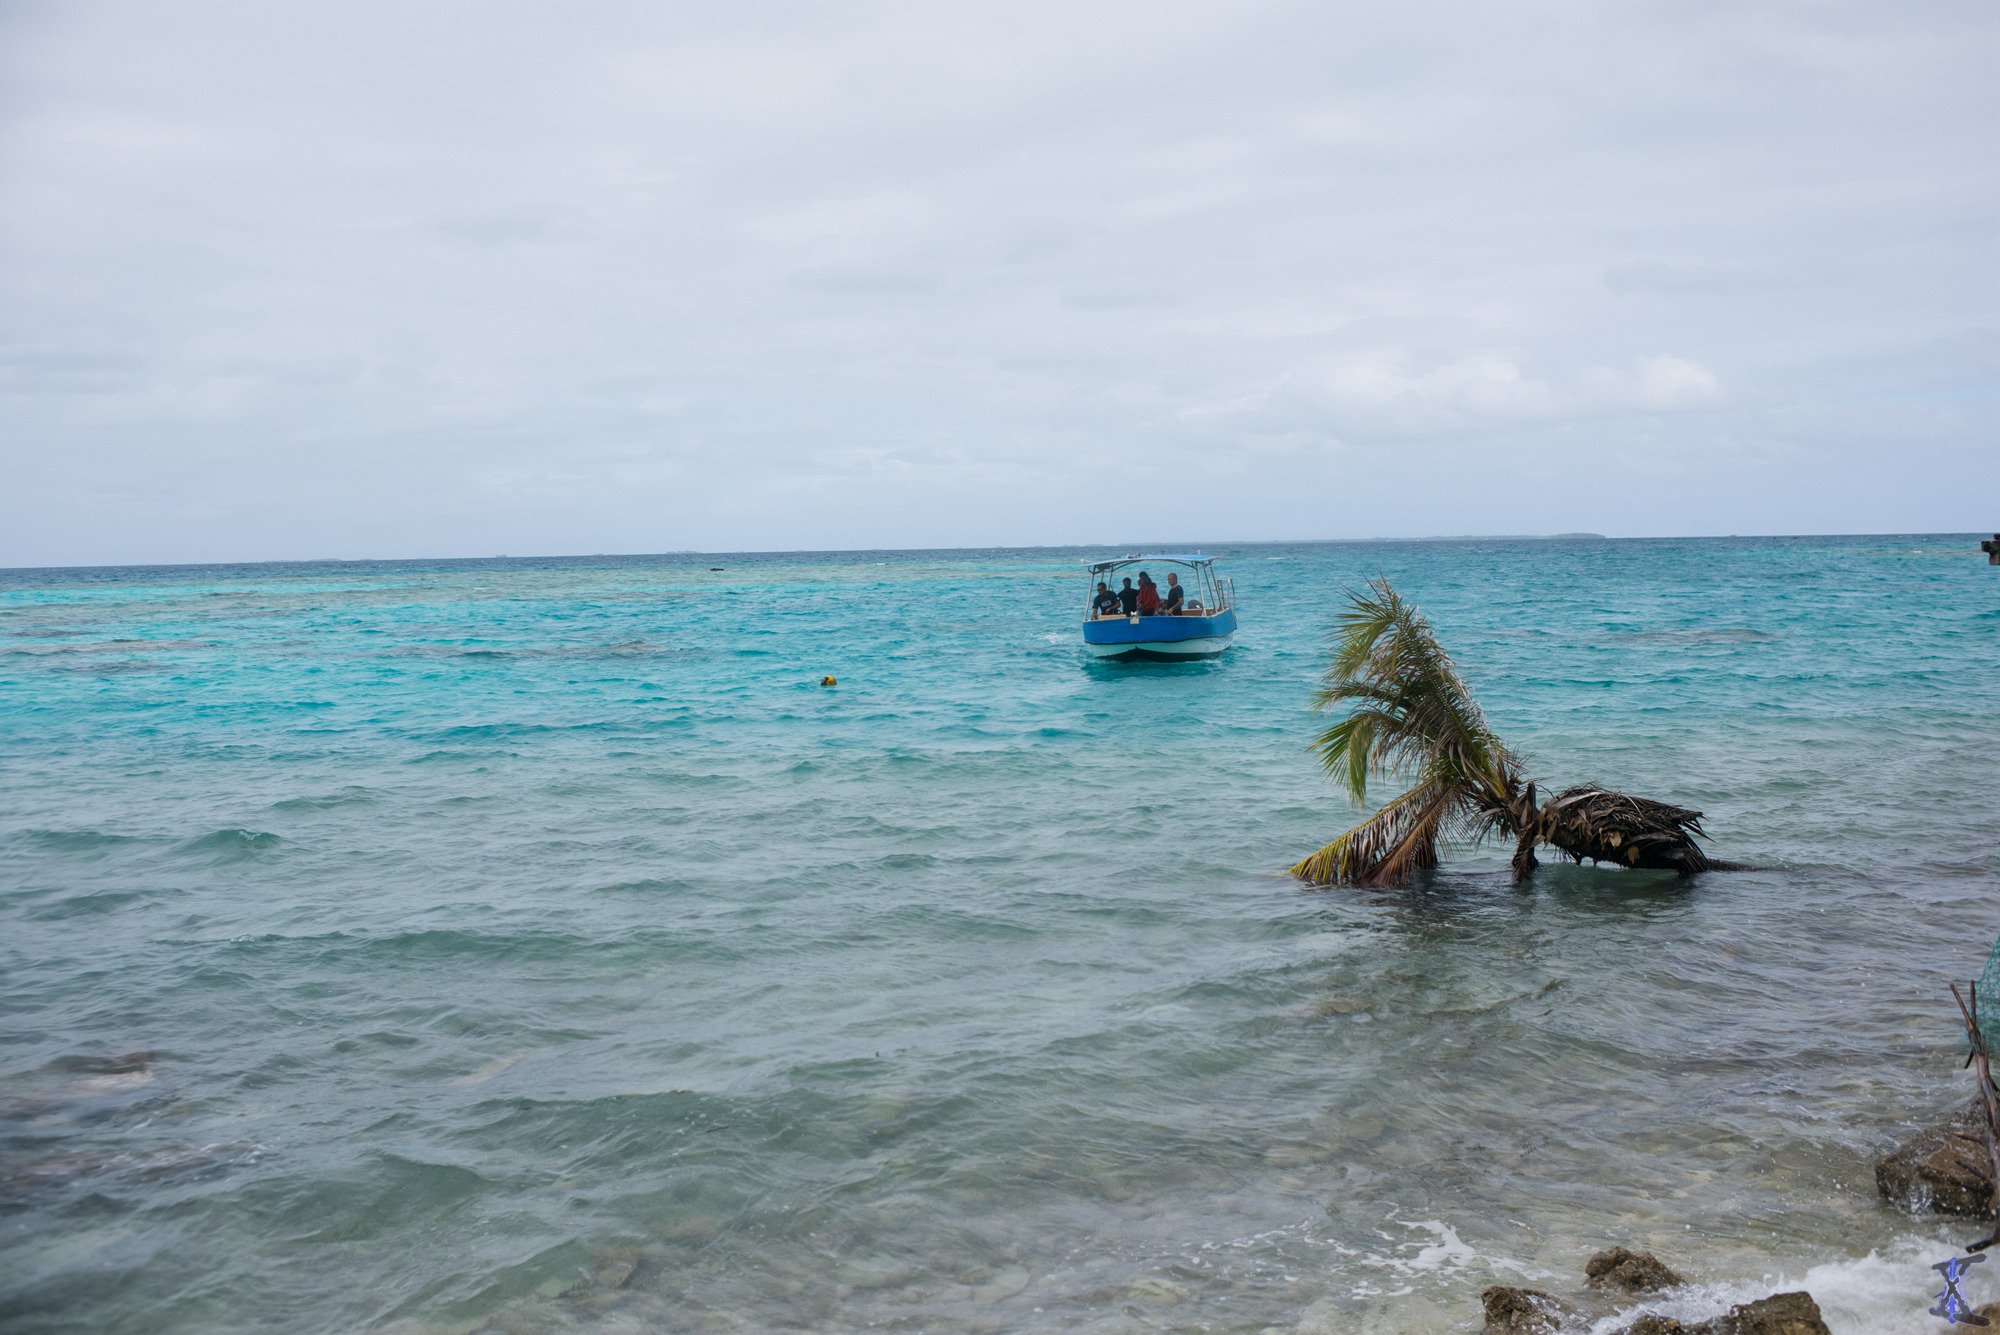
<point x="417" y="278"/>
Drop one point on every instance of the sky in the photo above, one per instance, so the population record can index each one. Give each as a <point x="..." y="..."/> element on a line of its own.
<point x="375" y="280"/>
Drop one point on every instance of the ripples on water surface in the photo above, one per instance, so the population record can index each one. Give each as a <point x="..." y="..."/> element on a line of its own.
<point x="535" y="946"/>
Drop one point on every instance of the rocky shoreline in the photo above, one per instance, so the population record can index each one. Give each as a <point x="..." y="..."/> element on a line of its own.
<point x="1615" y="1277"/>
<point x="1946" y="1168"/>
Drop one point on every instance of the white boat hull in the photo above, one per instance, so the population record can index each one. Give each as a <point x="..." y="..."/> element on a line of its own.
<point x="1205" y="647"/>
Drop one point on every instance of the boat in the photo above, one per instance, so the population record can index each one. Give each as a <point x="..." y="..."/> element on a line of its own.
<point x="1202" y="628"/>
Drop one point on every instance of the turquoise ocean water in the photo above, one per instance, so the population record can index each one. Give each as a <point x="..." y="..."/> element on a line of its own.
<point x="534" y="945"/>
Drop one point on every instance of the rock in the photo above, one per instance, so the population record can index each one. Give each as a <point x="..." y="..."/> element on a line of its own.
<point x="1633" y="1272"/>
<point x="1002" y="1286"/>
<point x="1779" y="1314"/>
<point x="555" y="1286"/>
<point x="614" y="1275"/>
<point x="875" y="1272"/>
<point x="687" y="1230"/>
<point x="1512" y="1311"/>
<point x="1651" y="1324"/>
<point x="1153" y="1289"/>
<point x="1945" y="1168"/>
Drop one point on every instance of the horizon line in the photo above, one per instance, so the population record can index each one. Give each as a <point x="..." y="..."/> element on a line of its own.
<point x="1033" y="547"/>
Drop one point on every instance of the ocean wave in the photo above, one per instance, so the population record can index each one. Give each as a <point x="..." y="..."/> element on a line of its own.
<point x="626" y="649"/>
<point x="387" y="1192"/>
<point x="229" y="844"/>
<point x="81" y="1088"/>
<point x="509" y="731"/>
<point x="648" y="886"/>
<point x="84" y="843"/>
<point x="1695" y="635"/>
<point x="93" y="903"/>
<point x="112" y="647"/>
<point x="103" y="669"/>
<point x="544" y="941"/>
<point x="351" y="796"/>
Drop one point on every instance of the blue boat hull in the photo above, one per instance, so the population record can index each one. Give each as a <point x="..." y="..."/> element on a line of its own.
<point x="1160" y="637"/>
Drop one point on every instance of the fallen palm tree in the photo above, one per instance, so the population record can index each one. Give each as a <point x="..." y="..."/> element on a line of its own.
<point x="1410" y="712"/>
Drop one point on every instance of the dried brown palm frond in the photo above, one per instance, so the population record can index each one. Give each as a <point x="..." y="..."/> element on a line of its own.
<point x="1612" y="827"/>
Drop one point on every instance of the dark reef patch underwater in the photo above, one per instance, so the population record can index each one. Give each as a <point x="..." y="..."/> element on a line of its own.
<point x="536" y="945"/>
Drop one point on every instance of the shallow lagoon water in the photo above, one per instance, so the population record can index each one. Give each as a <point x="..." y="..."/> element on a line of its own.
<point x="534" y="945"/>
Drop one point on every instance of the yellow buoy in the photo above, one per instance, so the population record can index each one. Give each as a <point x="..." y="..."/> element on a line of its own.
<point x="828" y="681"/>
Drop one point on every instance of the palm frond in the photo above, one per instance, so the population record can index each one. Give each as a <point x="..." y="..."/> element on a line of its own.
<point x="1414" y="711"/>
<point x="1400" y="838"/>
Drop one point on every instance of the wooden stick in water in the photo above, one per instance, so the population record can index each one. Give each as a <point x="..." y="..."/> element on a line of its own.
<point x="1986" y="1094"/>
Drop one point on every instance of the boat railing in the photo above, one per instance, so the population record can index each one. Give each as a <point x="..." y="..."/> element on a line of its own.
<point x="1215" y="611"/>
<point x="1222" y="587"/>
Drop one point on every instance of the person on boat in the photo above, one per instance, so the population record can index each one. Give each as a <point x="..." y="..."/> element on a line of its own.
<point x="1149" y="595"/>
<point x="1105" y="603"/>
<point x="1170" y="606"/>
<point x="1128" y="599"/>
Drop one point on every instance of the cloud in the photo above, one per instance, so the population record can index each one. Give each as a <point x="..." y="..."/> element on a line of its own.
<point x="877" y="280"/>
<point x="1479" y="386"/>
<point x="1359" y="400"/>
<point x="509" y="229"/>
<point x="1655" y="384"/>
<point x="639" y="277"/>
<point x="1113" y="295"/>
<point x="1649" y="276"/>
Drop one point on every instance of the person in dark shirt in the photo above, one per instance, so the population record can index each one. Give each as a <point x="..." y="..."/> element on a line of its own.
<point x="1128" y="599"/>
<point x="1149" y="595"/>
<point x="1171" y="606"/>
<point x="1105" y="603"/>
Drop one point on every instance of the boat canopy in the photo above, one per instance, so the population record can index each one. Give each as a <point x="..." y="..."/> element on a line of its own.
<point x="1207" y="592"/>
<point x="1099" y="567"/>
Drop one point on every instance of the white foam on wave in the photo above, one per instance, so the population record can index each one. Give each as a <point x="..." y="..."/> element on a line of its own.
<point x="1444" y="1253"/>
<point x="1887" y="1292"/>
